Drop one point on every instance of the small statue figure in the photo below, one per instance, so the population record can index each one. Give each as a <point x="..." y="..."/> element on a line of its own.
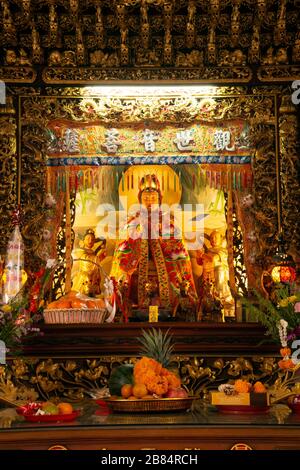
<point x="210" y="306"/>
<point x="87" y="278"/>
<point x="68" y="59"/>
<point x="238" y="57"/>
<point x="113" y="60"/>
<point x="186" y="307"/>
<point x="216" y="271"/>
<point x="11" y="57"/>
<point x="99" y="58"/>
<point x="281" y="56"/>
<point x="147" y="58"/>
<point x="24" y="60"/>
<point x="191" y="59"/>
<point x="269" y="57"/>
<point x="151" y="295"/>
<point x="54" y="58"/>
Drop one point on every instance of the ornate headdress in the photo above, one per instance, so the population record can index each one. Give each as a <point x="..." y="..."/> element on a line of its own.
<point x="149" y="183"/>
<point x="90" y="231"/>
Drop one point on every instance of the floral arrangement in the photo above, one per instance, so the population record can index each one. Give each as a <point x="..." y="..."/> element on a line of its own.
<point x="157" y="379"/>
<point x="20" y="314"/>
<point x="281" y="317"/>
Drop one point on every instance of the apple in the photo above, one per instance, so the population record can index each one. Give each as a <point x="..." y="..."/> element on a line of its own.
<point x="176" y="393"/>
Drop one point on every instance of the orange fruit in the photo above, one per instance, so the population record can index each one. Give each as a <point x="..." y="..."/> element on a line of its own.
<point x="65" y="408"/>
<point x="242" y="386"/>
<point x="63" y="304"/>
<point x="258" y="387"/>
<point x="78" y="303"/>
<point x="139" y="390"/>
<point x="52" y="305"/>
<point x="131" y="398"/>
<point x="126" y="390"/>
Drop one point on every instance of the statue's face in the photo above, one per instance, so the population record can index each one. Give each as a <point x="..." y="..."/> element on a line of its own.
<point x="89" y="240"/>
<point x="149" y="198"/>
<point x="215" y="239"/>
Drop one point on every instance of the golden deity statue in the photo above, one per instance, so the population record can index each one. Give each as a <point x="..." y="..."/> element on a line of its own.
<point x="87" y="271"/>
<point x="152" y="258"/>
<point x="215" y="277"/>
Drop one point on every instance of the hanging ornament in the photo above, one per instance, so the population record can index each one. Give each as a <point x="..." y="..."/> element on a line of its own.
<point x="14" y="275"/>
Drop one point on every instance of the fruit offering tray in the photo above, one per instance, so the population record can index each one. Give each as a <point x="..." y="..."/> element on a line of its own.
<point x="149" y="405"/>
<point x="74" y="316"/>
<point x="35" y="413"/>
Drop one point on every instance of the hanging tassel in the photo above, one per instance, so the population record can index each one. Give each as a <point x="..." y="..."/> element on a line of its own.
<point x="234" y="181"/>
<point x="250" y="180"/>
<point x="239" y="180"/>
<point x="71" y="180"/>
<point x="123" y="182"/>
<point x="80" y="179"/>
<point x="102" y="182"/>
<point x="92" y="179"/>
<point x="222" y="180"/>
<point x="229" y="180"/>
<point x="14" y="272"/>
<point x="218" y="179"/>
<point x="132" y="181"/>
<point x="48" y="184"/>
<point x="76" y="182"/>
<point x="87" y="179"/>
<point x="213" y="179"/>
<point x="193" y="181"/>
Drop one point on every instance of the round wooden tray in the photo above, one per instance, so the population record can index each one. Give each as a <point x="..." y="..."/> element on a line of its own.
<point x="150" y="405"/>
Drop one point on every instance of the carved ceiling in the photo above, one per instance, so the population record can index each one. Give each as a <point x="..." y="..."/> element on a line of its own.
<point x="186" y="34"/>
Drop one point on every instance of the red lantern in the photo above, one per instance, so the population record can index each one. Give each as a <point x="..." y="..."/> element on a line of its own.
<point x="284" y="268"/>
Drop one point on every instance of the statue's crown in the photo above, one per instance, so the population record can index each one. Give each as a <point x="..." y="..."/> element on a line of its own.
<point x="90" y="231"/>
<point x="149" y="182"/>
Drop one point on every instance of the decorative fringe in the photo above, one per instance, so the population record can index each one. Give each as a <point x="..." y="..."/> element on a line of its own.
<point x="218" y="176"/>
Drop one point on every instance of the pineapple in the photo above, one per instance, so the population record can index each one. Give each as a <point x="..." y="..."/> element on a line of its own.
<point x="157" y="346"/>
<point x="152" y="369"/>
